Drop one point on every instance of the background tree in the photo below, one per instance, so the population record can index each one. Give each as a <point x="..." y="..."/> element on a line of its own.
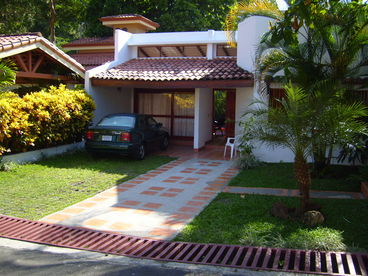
<point x="318" y="45"/>
<point x="62" y="20"/>
<point x="175" y="15"/>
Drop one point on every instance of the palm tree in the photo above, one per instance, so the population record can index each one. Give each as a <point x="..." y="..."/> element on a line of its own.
<point x="7" y="73"/>
<point x="293" y="125"/>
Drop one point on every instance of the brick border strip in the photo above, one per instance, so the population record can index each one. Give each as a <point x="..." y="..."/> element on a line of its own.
<point x="234" y="256"/>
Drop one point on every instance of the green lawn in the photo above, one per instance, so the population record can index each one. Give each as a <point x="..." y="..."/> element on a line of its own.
<point x="33" y="191"/>
<point x="281" y="175"/>
<point x="235" y="219"/>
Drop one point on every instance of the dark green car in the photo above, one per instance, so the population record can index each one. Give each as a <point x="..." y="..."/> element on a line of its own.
<point x="126" y="134"/>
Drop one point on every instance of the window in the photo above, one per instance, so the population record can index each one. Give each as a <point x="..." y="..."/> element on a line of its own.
<point x="151" y="122"/>
<point x="275" y="95"/>
<point x="121" y="121"/>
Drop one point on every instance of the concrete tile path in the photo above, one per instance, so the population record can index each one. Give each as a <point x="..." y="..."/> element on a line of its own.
<point x="157" y="204"/>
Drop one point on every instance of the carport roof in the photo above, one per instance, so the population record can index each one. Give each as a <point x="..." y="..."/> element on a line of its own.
<point x="17" y="43"/>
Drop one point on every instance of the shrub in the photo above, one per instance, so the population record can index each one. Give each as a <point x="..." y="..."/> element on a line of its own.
<point x="43" y="119"/>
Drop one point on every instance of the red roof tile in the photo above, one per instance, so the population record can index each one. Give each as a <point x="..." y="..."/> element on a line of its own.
<point x="91" y="60"/>
<point x="17" y="40"/>
<point x="91" y="41"/>
<point x="172" y="69"/>
<point x="9" y="42"/>
<point x="129" y="17"/>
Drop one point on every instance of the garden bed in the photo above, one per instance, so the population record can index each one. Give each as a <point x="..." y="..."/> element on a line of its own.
<point x="246" y="220"/>
<point x="33" y="191"/>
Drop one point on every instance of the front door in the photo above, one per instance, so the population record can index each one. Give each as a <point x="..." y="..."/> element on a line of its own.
<point x="230" y="113"/>
<point x="174" y="109"/>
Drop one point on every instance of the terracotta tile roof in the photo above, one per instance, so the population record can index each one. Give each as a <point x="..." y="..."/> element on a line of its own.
<point x="17" y="40"/>
<point x="9" y="42"/>
<point x="172" y="69"/>
<point x="120" y="17"/>
<point x="91" y="60"/>
<point x="91" y="41"/>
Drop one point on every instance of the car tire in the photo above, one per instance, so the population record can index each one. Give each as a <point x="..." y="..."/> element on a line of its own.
<point x="140" y="152"/>
<point x="164" y="143"/>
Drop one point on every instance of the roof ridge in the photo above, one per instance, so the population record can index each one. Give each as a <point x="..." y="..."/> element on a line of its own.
<point x="184" y="58"/>
<point x="20" y="34"/>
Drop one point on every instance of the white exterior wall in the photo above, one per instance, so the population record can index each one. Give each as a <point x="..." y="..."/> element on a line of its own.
<point x="250" y="32"/>
<point x="202" y="117"/>
<point x="244" y="97"/>
<point x="178" y="38"/>
<point x="111" y="100"/>
<point x="123" y="52"/>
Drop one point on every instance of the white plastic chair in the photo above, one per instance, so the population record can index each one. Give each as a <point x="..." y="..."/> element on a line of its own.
<point x="233" y="143"/>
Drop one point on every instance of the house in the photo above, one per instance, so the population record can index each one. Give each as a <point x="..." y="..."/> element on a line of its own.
<point x="39" y="61"/>
<point x="173" y="76"/>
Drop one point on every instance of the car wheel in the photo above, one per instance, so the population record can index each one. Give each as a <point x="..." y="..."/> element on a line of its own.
<point x="164" y="143"/>
<point x="140" y="152"/>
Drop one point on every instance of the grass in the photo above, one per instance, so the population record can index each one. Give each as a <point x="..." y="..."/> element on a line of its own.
<point x="281" y="175"/>
<point x="33" y="191"/>
<point x="236" y="219"/>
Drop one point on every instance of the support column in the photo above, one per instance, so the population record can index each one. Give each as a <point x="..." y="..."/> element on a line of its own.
<point x="202" y="117"/>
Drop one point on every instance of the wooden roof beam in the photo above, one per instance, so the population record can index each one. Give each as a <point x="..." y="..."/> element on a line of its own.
<point x="201" y="51"/>
<point x="181" y="50"/>
<point x="225" y="51"/>
<point x="38" y="63"/>
<point x="29" y="59"/>
<point x="144" y="52"/>
<point x="32" y="75"/>
<point x="21" y="63"/>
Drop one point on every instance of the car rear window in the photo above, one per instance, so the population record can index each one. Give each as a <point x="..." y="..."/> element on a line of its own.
<point x="119" y="121"/>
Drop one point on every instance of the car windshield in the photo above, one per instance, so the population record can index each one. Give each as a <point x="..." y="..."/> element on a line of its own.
<point x="119" y="121"/>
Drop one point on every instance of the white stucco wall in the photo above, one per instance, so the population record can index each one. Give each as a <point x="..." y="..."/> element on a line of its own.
<point x="122" y="51"/>
<point x="244" y="97"/>
<point x="249" y="35"/>
<point x="111" y="100"/>
<point x="202" y="117"/>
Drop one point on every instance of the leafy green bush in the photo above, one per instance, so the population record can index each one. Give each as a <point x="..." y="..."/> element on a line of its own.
<point x="43" y="119"/>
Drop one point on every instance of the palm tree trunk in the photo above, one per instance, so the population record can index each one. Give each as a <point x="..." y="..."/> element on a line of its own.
<point x="303" y="178"/>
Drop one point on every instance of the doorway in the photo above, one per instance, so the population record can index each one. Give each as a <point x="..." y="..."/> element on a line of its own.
<point x="224" y="114"/>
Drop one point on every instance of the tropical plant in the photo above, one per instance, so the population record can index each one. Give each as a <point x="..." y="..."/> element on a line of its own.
<point x="296" y="124"/>
<point x="247" y="159"/>
<point x="7" y="73"/>
<point x="318" y="45"/>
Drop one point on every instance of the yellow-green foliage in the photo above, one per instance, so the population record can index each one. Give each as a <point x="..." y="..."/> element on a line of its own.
<point x="43" y="119"/>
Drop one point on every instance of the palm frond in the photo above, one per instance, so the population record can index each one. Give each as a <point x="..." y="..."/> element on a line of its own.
<point x="244" y="9"/>
<point x="7" y="73"/>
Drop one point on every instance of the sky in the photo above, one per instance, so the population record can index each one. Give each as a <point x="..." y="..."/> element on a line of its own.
<point x="282" y="4"/>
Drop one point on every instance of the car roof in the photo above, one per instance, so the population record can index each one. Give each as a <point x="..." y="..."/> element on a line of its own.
<point x="126" y="114"/>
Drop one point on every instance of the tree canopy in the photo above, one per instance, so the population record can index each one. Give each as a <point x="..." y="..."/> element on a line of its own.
<point x="72" y="19"/>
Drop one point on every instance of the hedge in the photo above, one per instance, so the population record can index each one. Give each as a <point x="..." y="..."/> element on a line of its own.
<point x="43" y="119"/>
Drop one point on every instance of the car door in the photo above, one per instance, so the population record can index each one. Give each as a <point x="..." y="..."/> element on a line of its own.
<point x="153" y="132"/>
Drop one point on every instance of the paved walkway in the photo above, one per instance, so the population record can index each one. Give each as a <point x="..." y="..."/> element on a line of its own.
<point x="291" y="192"/>
<point x="157" y="204"/>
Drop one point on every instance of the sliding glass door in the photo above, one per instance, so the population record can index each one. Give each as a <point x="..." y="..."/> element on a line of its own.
<point x="175" y="110"/>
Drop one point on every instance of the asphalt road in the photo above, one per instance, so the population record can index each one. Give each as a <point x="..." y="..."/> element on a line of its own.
<point x="21" y="258"/>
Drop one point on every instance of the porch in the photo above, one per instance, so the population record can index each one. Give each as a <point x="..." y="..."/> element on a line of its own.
<point x="179" y="93"/>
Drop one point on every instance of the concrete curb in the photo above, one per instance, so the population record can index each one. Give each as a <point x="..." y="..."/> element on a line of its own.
<point x="33" y="156"/>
